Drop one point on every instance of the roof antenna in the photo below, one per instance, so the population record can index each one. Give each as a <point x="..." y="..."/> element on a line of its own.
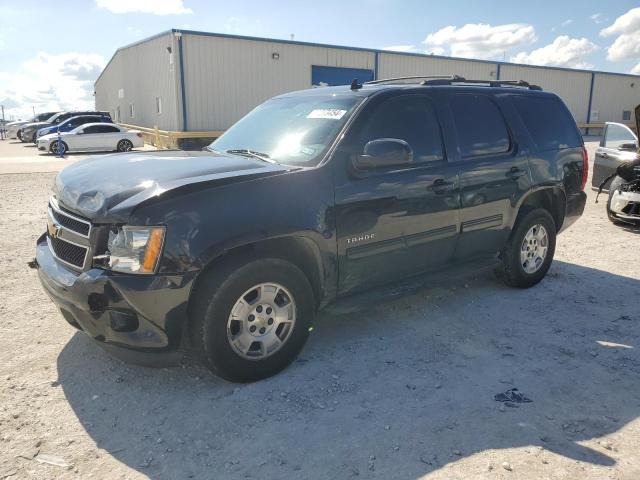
<point x="355" y="85"/>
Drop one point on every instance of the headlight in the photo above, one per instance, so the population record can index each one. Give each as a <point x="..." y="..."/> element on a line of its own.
<point x="135" y="249"/>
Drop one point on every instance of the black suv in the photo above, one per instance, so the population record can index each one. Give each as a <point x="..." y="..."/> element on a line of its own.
<point x="312" y="197"/>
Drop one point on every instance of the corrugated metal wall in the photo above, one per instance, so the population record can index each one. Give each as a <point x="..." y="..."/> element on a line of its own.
<point x="612" y="95"/>
<point x="141" y="73"/>
<point x="572" y="87"/>
<point x="226" y="77"/>
<point x="396" y="65"/>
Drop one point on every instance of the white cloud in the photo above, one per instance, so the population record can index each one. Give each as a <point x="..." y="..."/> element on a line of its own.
<point x="597" y="18"/>
<point x="51" y="82"/>
<point x="636" y="70"/>
<point x="562" y="52"/>
<point x="478" y="40"/>
<point x="156" y="7"/>
<point x="567" y="22"/>
<point x="627" y="23"/>
<point x="626" y="46"/>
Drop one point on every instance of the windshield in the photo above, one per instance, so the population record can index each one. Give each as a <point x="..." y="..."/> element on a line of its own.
<point x="295" y="130"/>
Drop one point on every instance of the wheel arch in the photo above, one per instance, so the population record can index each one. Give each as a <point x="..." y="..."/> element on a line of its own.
<point x="552" y="199"/>
<point x="301" y="251"/>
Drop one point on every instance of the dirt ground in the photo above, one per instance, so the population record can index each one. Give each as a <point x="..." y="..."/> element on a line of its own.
<point x="399" y="391"/>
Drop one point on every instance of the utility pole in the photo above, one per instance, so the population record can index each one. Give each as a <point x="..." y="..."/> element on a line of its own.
<point x="34" y="110"/>
<point x="4" y="124"/>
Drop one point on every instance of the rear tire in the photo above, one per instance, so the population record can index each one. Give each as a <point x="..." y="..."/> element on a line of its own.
<point x="229" y="288"/>
<point x="528" y="254"/>
<point x="125" y="145"/>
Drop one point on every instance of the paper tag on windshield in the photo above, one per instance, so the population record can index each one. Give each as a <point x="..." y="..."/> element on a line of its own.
<point x="329" y="113"/>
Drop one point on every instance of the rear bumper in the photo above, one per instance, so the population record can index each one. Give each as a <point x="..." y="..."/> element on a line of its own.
<point x="131" y="316"/>
<point x="574" y="209"/>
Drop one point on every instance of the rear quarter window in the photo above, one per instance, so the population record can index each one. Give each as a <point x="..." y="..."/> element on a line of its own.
<point x="548" y="122"/>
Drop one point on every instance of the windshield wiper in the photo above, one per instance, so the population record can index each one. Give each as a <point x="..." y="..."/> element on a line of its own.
<point x="251" y="153"/>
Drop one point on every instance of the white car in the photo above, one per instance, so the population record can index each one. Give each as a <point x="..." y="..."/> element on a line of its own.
<point x="92" y="137"/>
<point x="13" y="127"/>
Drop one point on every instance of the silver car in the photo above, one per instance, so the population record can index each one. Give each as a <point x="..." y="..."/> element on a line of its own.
<point x="616" y="167"/>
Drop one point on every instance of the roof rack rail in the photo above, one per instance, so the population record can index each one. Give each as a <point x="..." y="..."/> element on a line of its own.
<point x="490" y="83"/>
<point x="416" y="77"/>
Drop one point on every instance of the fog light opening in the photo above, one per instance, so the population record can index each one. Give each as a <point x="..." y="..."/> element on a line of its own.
<point x="123" y="321"/>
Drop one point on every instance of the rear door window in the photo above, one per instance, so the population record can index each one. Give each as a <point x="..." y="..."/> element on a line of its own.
<point x="93" y="129"/>
<point x="480" y="126"/>
<point x="549" y="123"/>
<point x="617" y="135"/>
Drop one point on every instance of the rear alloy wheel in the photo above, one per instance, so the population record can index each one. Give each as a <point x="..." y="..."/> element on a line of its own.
<point x="125" y="146"/>
<point x="56" y="146"/>
<point x="529" y="252"/>
<point x="534" y="249"/>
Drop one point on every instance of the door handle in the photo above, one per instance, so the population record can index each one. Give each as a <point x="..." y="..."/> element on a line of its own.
<point x="515" y="173"/>
<point x="440" y="186"/>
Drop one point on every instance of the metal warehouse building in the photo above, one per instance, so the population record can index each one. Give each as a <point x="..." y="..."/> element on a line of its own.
<point x="187" y="84"/>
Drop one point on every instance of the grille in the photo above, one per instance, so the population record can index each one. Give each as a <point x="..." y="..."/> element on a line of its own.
<point x="71" y="223"/>
<point x="68" y="252"/>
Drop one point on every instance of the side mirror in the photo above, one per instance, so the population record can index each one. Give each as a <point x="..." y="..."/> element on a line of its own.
<point x="628" y="147"/>
<point x="384" y="153"/>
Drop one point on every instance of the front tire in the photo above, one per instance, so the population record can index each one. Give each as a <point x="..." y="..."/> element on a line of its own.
<point x="529" y="252"/>
<point x="55" y="150"/>
<point x="250" y="320"/>
<point x="125" y="145"/>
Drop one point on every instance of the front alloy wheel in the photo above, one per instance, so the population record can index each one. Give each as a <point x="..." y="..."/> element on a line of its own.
<point x="250" y="317"/>
<point x="261" y="321"/>
<point x="58" y="148"/>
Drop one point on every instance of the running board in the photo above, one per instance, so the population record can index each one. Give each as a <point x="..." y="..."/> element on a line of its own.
<point x="447" y="276"/>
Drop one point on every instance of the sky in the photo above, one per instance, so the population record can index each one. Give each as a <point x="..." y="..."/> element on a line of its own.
<point x="52" y="52"/>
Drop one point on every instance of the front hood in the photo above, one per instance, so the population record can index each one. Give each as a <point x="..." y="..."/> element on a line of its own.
<point x="108" y="188"/>
<point x="52" y="136"/>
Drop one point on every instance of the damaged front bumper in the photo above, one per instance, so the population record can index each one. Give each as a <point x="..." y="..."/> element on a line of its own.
<point x="625" y="205"/>
<point x="130" y="315"/>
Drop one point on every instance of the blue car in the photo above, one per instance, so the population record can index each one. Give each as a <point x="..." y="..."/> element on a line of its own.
<point x="73" y="122"/>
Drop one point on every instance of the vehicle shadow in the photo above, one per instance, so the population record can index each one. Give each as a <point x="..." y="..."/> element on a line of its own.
<point x="395" y="391"/>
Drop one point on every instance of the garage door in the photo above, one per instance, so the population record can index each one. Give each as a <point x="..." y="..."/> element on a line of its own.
<point x="322" y="76"/>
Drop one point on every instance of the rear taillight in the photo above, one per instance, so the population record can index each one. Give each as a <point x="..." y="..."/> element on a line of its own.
<point x="139" y="134"/>
<point x="585" y="168"/>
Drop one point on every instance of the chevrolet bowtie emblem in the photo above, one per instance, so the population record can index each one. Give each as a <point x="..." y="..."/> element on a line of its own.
<point x="53" y="229"/>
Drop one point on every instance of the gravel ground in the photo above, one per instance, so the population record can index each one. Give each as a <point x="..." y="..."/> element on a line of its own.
<point x="401" y="391"/>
